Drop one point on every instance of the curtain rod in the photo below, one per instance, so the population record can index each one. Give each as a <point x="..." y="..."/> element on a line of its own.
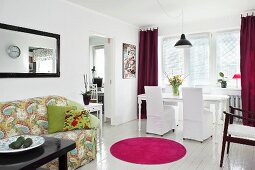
<point x="148" y="29"/>
<point x="248" y="13"/>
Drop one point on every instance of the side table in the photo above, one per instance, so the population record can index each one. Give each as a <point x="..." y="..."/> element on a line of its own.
<point x="96" y="107"/>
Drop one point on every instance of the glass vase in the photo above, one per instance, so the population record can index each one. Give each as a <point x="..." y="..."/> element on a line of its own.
<point x="176" y="91"/>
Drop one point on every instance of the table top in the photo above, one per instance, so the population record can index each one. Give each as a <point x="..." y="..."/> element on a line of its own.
<point x="93" y="104"/>
<point x="34" y="158"/>
<point x="206" y="97"/>
<point x="100" y="92"/>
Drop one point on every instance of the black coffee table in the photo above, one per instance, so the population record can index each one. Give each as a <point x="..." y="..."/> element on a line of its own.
<point x="52" y="148"/>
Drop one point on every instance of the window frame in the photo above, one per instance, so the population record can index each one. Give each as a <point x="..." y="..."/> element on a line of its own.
<point x="215" y="78"/>
<point x="161" y="76"/>
<point x="187" y="57"/>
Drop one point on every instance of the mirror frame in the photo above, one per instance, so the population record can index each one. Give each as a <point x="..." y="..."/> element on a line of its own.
<point x="36" y="32"/>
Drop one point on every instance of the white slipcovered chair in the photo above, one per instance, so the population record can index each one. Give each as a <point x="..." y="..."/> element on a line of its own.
<point x="94" y="94"/>
<point x="197" y="120"/>
<point x="177" y="110"/>
<point x="160" y="118"/>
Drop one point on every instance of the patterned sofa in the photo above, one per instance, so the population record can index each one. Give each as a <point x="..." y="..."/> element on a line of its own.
<point x="29" y="116"/>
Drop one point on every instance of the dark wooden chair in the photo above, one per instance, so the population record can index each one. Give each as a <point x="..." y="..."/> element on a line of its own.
<point x="236" y="133"/>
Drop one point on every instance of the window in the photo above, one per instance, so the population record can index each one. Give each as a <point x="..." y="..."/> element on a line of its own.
<point x="228" y="54"/>
<point x="173" y="59"/>
<point x="198" y="57"/>
<point x="99" y="61"/>
<point x="211" y="53"/>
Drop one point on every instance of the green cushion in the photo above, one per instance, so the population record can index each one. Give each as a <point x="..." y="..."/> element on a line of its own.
<point x="56" y="118"/>
<point x="75" y="104"/>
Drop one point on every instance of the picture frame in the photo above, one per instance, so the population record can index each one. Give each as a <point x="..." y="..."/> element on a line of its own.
<point x="129" y="61"/>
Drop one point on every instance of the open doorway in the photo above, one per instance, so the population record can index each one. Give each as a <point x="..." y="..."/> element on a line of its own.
<point x="101" y="50"/>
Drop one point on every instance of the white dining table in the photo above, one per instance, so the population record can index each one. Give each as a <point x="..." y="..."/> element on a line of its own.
<point x="219" y="101"/>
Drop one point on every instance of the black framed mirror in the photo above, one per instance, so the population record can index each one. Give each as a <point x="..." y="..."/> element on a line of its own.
<point x="27" y="53"/>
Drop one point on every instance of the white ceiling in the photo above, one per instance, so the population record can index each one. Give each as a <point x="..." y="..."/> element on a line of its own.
<point x="148" y="12"/>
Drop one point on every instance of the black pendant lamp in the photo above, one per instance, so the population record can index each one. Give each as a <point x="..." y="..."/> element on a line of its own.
<point x="183" y="42"/>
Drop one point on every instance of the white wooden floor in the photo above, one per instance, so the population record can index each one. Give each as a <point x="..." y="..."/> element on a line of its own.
<point x="199" y="156"/>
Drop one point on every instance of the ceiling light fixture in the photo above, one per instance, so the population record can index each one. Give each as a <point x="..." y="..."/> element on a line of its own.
<point x="183" y="42"/>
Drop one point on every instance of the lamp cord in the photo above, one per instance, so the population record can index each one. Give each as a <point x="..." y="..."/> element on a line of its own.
<point x="182" y="20"/>
<point x="163" y="9"/>
<point x="171" y="17"/>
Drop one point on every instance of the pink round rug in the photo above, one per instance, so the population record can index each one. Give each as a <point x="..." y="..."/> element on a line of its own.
<point x="148" y="150"/>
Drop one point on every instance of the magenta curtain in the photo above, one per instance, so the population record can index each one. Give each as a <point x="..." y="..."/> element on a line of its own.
<point x="247" y="50"/>
<point x="148" y="62"/>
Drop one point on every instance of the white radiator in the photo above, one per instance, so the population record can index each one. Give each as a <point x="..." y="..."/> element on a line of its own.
<point x="236" y="101"/>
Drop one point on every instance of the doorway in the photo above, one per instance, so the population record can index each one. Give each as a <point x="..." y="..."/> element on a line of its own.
<point x="101" y="66"/>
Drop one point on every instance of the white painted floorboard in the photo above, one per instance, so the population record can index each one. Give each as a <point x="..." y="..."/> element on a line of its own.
<point x="199" y="156"/>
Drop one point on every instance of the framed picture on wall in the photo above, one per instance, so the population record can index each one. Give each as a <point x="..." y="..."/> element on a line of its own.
<point x="129" y="61"/>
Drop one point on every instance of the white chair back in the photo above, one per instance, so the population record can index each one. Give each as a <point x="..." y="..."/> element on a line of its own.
<point x="154" y="100"/>
<point x="192" y="103"/>
<point x="94" y="95"/>
<point x="205" y="89"/>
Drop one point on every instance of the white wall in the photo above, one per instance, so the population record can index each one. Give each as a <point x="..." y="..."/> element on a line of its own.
<point x="209" y="25"/>
<point x="74" y="24"/>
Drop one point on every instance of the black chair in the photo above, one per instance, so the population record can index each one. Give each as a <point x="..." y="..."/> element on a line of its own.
<point x="236" y="133"/>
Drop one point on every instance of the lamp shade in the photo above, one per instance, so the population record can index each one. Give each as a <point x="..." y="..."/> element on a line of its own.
<point x="183" y="42"/>
<point x="237" y="76"/>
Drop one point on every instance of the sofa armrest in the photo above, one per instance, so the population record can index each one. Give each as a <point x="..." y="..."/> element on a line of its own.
<point x="95" y="122"/>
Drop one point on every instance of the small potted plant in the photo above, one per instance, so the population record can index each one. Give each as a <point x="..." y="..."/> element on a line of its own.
<point x="87" y="94"/>
<point x="222" y="80"/>
<point x="86" y="97"/>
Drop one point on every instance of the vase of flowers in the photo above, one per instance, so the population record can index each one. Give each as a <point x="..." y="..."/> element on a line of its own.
<point x="87" y="94"/>
<point x="222" y="80"/>
<point x="175" y="82"/>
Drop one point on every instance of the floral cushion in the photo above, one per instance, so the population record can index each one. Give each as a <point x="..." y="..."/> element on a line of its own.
<point x="27" y="116"/>
<point x="84" y="152"/>
<point x="77" y="119"/>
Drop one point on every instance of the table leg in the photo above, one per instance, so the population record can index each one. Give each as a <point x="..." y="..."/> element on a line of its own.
<point x="226" y="102"/>
<point x="104" y="118"/>
<point x="225" y="107"/>
<point x="139" y="113"/>
<point x="217" y="113"/>
<point x="101" y="119"/>
<point x="63" y="162"/>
